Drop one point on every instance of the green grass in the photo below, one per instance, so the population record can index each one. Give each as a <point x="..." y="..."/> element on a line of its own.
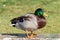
<point x="14" y="8"/>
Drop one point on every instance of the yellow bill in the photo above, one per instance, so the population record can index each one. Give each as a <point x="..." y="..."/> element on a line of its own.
<point x="45" y="15"/>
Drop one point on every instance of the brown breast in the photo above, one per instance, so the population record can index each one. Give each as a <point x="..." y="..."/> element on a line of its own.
<point x="41" y="22"/>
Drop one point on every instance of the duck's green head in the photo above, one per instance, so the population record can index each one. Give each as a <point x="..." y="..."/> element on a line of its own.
<point x="40" y="12"/>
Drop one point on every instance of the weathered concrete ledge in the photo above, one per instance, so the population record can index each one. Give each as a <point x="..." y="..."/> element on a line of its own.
<point x="23" y="37"/>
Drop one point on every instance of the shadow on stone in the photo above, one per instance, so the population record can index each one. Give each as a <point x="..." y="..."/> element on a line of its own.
<point x="15" y="35"/>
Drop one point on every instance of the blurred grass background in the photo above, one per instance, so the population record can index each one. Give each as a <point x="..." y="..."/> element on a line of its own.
<point x="13" y="8"/>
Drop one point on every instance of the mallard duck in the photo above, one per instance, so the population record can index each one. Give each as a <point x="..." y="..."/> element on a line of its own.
<point x="30" y="22"/>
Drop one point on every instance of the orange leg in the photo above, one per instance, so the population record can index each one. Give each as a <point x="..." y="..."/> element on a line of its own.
<point x="31" y="35"/>
<point x="27" y="34"/>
